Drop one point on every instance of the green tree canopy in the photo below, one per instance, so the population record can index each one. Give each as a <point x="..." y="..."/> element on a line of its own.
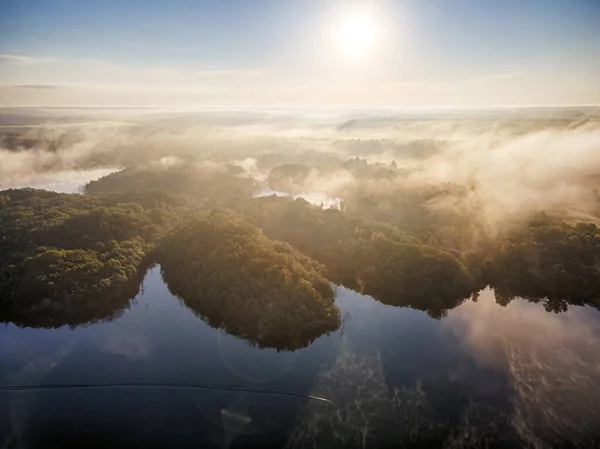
<point x="236" y="278"/>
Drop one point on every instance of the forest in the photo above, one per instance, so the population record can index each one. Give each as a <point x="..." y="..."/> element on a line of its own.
<point x="209" y="185"/>
<point x="62" y="256"/>
<point x="548" y="259"/>
<point x="263" y="290"/>
<point x="374" y="258"/>
<point x="262" y="267"/>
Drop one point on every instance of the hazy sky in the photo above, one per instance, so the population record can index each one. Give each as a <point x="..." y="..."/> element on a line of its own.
<point x="299" y="52"/>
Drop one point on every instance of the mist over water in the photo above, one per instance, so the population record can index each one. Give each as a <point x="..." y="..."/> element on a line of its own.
<point x="508" y="160"/>
<point x="486" y="374"/>
<point x="62" y="181"/>
<point x="551" y="362"/>
<point x="459" y="373"/>
<point x="318" y="198"/>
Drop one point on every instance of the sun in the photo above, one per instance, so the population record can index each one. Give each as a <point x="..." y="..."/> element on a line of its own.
<point x="355" y="34"/>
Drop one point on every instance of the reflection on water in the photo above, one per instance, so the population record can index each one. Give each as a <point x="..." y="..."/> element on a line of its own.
<point x="93" y="309"/>
<point x="485" y="375"/>
<point x="552" y="362"/>
<point x="364" y="410"/>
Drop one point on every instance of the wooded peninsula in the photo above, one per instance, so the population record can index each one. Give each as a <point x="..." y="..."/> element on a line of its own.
<point x="262" y="267"/>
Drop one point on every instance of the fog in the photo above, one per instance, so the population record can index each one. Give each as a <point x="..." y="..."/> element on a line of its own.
<point x="501" y="161"/>
<point x="447" y="179"/>
<point x="551" y="362"/>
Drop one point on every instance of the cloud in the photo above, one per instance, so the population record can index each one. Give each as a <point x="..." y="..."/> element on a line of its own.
<point x="161" y="72"/>
<point x="232" y="72"/>
<point x="272" y="85"/>
<point x="91" y="73"/>
<point x="17" y="59"/>
<point x="440" y="84"/>
<point x="506" y="75"/>
<point x="38" y="86"/>
<point x="493" y="77"/>
<point x="25" y="60"/>
<point x="505" y="163"/>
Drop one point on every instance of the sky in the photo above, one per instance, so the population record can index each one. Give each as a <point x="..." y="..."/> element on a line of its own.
<point x="379" y="53"/>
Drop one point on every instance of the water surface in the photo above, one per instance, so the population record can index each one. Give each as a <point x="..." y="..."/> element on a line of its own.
<point x="485" y="375"/>
<point x="61" y="181"/>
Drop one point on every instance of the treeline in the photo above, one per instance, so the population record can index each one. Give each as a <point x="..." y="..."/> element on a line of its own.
<point x="210" y="185"/>
<point x="387" y="193"/>
<point x="64" y="257"/>
<point x="375" y="258"/>
<point x="237" y="279"/>
<point x="61" y="254"/>
<point x="542" y="259"/>
<point x="548" y="260"/>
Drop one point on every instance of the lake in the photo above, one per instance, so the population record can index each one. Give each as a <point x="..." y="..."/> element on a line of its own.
<point x="484" y="376"/>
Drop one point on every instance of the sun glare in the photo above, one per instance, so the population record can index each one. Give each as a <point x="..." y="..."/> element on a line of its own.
<point x="355" y="34"/>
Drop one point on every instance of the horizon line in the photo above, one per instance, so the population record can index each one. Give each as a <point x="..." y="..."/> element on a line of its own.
<point x="296" y="106"/>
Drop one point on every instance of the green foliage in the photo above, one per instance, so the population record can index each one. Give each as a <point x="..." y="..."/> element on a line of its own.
<point x="60" y="255"/>
<point x="376" y="258"/>
<point x="288" y="177"/>
<point x="231" y="274"/>
<point x="209" y="186"/>
<point x="75" y="258"/>
<point x="548" y="259"/>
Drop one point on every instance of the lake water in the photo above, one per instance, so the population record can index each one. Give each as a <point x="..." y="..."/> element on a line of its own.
<point x="318" y="198"/>
<point x="62" y="181"/>
<point x="483" y="376"/>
